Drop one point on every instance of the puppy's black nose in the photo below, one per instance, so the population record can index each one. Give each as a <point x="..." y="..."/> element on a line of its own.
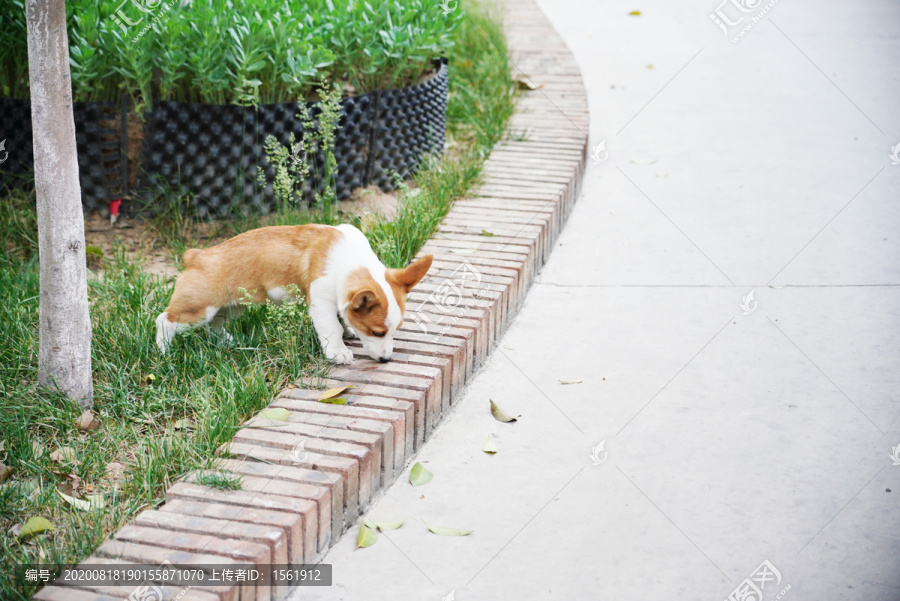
<point x="384" y="359"/>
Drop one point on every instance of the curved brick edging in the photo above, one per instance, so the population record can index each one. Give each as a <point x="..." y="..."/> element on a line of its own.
<point x="305" y="482"/>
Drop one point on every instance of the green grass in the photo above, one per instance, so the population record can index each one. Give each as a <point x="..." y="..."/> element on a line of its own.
<point x="143" y="397"/>
<point x="224" y="52"/>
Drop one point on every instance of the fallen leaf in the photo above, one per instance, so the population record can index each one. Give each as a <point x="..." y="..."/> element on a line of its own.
<point x="422" y="497"/>
<point x="5" y="472"/>
<point x="149" y="378"/>
<point x="489" y="447"/>
<point x="642" y="161"/>
<point x="276" y="414"/>
<point x="418" y="475"/>
<point x="649" y="66"/>
<point x="571" y="381"/>
<point x="486" y="233"/>
<point x="634" y="13"/>
<point x="2" y="445"/>
<point x="333" y="392"/>
<point x="63" y="455"/>
<point x="334" y="401"/>
<point x="37" y="449"/>
<point x="92" y="502"/>
<point x="115" y="471"/>
<point x="526" y="84"/>
<point x="388" y="525"/>
<point x="184" y="424"/>
<point x="462" y="251"/>
<point x="87" y="421"/>
<point x="93" y="250"/>
<point x="35" y="525"/>
<point x="449" y="531"/>
<point x="367" y="536"/>
<point x="499" y="414"/>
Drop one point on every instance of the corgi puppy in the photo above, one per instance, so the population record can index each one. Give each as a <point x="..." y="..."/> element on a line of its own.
<point x="334" y="267"/>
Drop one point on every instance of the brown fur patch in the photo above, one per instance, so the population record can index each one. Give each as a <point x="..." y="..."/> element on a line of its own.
<point x="256" y="261"/>
<point x="373" y="313"/>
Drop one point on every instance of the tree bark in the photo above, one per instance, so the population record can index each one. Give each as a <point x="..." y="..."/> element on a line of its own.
<point x="64" y="359"/>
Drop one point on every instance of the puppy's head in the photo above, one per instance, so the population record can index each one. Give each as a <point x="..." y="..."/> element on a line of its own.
<point x="375" y="308"/>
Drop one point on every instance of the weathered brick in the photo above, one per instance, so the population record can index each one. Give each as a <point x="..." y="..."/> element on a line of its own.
<point x="320" y="454"/>
<point x="465" y="338"/>
<point x="297" y="479"/>
<point x="474" y="309"/>
<point x="416" y="397"/>
<point x="67" y="593"/>
<point x="290" y="524"/>
<point x="458" y="349"/>
<point x="255" y="554"/>
<point x="307" y="400"/>
<point x="317" y="493"/>
<point x="304" y="508"/>
<point x="346" y="469"/>
<point x="425" y="384"/>
<point x="404" y="363"/>
<point x="325" y="434"/>
<point x="391" y="453"/>
<point x="138" y="553"/>
<point x="271" y="536"/>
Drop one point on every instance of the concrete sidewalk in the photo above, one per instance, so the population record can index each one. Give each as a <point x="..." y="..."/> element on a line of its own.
<point x="746" y="441"/>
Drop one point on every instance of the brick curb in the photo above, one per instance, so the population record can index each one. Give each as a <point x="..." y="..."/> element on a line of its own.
<point x="306" y="481"/>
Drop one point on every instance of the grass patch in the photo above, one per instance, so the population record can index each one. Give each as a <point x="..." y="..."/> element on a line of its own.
<point x="162" y="417"/>
<point x="220" y="480"/>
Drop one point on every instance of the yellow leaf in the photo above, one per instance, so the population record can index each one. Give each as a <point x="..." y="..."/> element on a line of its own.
<point x="635" y="13"/>
<point x="35" y="525"/>
<point x="367" y="536"/>
<point x="449" y="531"/>
<point x="92" y="502"/>
<point x="499" y="414"/>
<point x="333" y="392"/>
<point x="388" y="525"/>
<point x="489" y="446"/>
<point x="334" y="401"/>
<point x="276" y="414"/>
<point x="418" y="475"/>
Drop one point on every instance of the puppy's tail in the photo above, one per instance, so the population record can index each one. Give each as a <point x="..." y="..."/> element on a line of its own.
<point x="189" y="254"/>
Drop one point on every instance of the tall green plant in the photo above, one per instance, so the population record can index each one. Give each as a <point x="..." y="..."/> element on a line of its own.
<point x="295" y="166"/>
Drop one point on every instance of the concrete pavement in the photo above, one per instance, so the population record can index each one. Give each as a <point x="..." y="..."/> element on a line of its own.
<point x="746" y="442"/>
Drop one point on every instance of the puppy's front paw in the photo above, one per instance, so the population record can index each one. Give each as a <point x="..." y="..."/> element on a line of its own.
<point x="341" y="356"/>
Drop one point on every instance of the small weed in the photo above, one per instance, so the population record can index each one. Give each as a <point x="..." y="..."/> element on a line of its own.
<point x="220" y="480"/>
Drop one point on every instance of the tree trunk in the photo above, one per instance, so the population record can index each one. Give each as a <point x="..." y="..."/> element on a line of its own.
<point x="64" y="360"/>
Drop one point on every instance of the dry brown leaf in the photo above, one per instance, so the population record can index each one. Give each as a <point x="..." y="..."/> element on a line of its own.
<point x="526" y="84"/>
<point x="64" y="455"/>
<point x="115" y="471"/>
<point x="87" y="421"/>
<point x="5" y="472"/>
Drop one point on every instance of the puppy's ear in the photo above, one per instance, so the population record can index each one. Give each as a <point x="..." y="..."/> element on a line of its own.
<point x="363" y="302"/>
<point x="405" y="279"/>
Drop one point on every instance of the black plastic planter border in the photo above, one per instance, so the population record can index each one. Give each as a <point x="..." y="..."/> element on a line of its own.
<point x="100" y="169"/>
<point x="213" y="151"/>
